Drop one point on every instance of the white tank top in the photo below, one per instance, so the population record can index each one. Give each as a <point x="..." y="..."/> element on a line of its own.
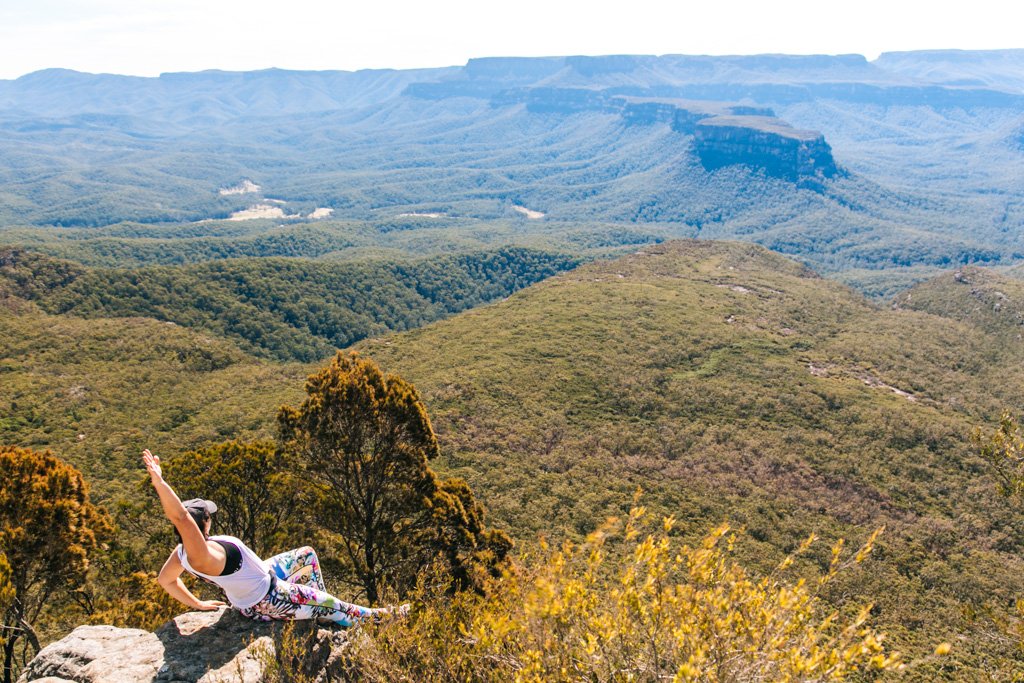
<point x="243" y="588"/>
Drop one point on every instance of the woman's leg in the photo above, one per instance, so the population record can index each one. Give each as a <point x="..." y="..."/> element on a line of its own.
<point x="291" y="601"/>
<point x="299" y="566"/>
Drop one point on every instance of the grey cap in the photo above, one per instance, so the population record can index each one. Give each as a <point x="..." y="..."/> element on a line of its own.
<point x="200" y="504"/>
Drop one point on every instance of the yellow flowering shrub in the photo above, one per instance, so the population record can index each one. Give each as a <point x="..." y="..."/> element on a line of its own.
<point x="654" y="610"/>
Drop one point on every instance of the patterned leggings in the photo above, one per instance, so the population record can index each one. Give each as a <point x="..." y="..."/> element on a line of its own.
<point x="299" y="593"/>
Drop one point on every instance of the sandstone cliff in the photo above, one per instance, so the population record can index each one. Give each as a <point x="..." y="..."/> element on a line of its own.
<point x="767" y="143"/>
<point x="682" y="115"/>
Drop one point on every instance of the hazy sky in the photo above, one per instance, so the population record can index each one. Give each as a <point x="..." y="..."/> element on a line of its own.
<point x="146" y="37"/>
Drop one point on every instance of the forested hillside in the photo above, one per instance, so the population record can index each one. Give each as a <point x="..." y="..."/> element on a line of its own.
<point x="96" y="391"/>
<point x="727" y="382"/>
<point x="988" y="300"/>
<point x="730" y="383"/>
<point x="277" y="308"/>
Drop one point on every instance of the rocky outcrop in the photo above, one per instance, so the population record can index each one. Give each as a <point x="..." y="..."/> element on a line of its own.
<point x="767" y="143"/>
<point x="937" y="79"/>
<point x="194" y="647"/>
<point x="640" y="110"/>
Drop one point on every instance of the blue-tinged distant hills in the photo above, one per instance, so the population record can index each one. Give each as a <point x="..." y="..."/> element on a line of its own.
<point x="198" y="98"/>
<point x="203" y="98"/>
<point x="998" y="69"/>
<point x="910" y="161"/>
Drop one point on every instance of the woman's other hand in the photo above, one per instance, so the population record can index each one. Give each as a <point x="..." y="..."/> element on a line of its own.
<point x="152" y="463"/>
<point x="210" y="605"/>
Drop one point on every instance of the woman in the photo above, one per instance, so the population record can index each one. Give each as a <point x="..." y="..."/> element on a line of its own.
<point x="287" y="586"/>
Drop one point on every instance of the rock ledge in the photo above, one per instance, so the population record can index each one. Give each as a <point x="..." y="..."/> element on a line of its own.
<point x="195" y="647"/>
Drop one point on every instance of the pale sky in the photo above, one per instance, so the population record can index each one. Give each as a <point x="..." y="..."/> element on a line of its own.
<point x="147" y="37"/>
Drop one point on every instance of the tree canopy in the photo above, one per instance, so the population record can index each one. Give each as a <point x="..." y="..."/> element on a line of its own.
<point x="367" y="439"/>
<point x="258" y="498"/>
<point x="1003" y="450"/>
<point x="48" y="531"/>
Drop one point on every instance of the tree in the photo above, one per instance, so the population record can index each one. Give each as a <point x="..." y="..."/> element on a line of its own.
<point x="258" y="498"/>
<point x="366" y="438"/>
<point x="48" y="530"/>
<point x="473" y="552"/>
<point x="1004" y="453"/>
<point x="6" y="590"/>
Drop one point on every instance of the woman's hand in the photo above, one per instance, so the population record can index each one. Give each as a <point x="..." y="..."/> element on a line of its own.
<point x="210" y="605"/>
<point x="152" y="463"/>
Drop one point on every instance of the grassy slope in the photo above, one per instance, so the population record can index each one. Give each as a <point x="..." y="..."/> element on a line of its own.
<point x="986" y="299"/>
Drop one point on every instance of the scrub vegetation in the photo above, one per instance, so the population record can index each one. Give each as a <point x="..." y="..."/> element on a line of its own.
<point x="731" y="384"/>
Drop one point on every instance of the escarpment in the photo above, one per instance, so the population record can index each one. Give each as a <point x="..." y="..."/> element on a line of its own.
<point x="723" y="133"/>
<point x="767" y="143"/>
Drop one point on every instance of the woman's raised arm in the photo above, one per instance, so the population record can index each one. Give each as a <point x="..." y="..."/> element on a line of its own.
<point x="191" y="535"/>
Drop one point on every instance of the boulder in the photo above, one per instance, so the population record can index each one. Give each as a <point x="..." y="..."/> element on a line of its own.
<point x="195" y="647"/>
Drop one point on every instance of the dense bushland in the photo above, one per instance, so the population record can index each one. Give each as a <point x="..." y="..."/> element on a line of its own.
<point x="930" y="188"/>
<point x="284" y="309"/>
<point x="730" y="383"/>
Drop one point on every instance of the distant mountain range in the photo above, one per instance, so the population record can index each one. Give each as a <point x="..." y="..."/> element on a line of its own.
<point x="910" y="162"/>
<point x="922" y="77"/>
